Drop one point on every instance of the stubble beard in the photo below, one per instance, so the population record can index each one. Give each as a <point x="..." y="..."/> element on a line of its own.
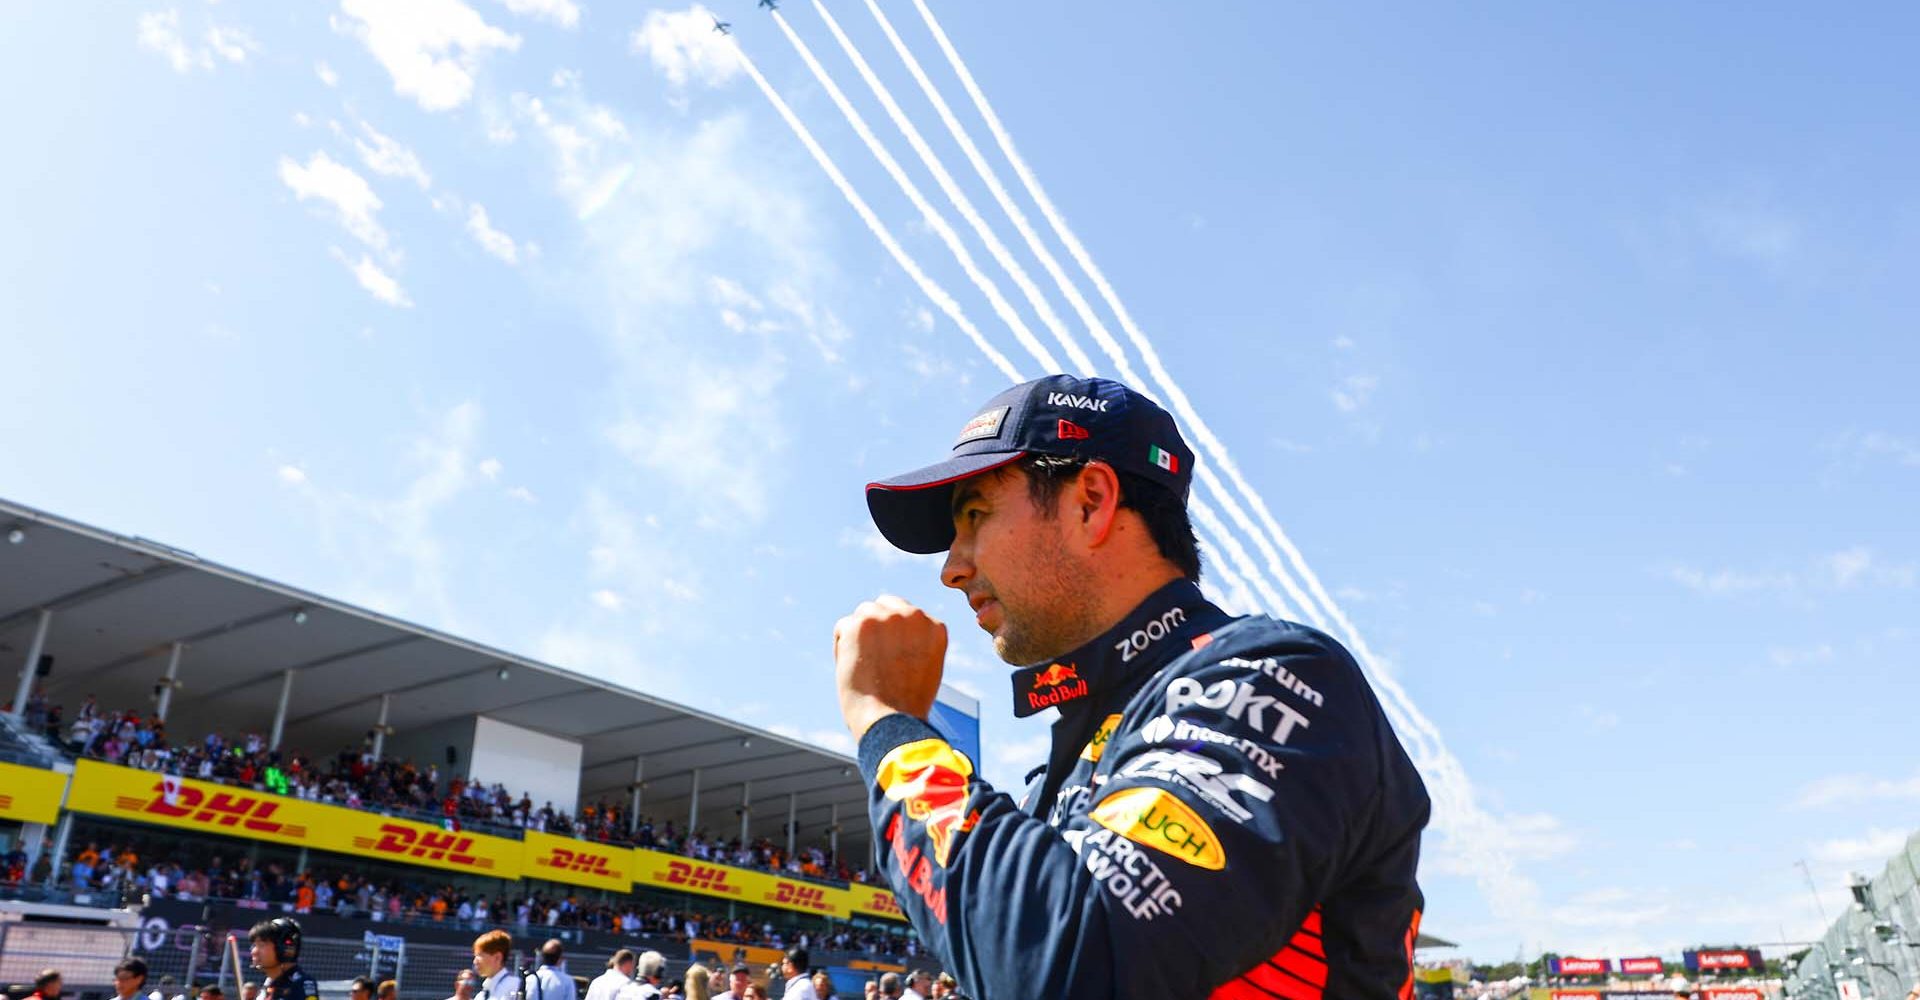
<point x="1056" y="615"/>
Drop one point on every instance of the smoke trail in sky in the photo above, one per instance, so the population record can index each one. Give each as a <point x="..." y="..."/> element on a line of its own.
<point x="933" y="291"/>
<point x="958" y="198"/>
<point x="933" y="218"/>
<point x="1474" y="832"/>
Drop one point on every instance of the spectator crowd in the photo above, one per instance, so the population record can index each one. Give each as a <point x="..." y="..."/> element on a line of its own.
<point x="358" y="778"/>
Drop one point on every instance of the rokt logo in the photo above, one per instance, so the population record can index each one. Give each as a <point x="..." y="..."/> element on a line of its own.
<point x="706" y="878"/>
<point x="578" y="861"/>
<point x="427" y="845"/>
<point x="176" y="801"/>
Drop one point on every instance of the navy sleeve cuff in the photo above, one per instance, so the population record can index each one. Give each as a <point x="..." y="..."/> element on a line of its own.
<point x="896" y="730"/>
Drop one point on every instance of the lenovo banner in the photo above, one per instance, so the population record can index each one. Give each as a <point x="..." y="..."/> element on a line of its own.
<point x="1581" y="966"/>
<point x="1641" y="966"/>
<point x="1734" y="993"/>
<point x="1715" y="961"/>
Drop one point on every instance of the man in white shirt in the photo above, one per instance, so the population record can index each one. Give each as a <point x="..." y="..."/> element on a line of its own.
<point x="465" y="985"/>
<point x="490" y="951"/>
<point x="919" y="984"/>
<point x="551" y="981"/>
<point x="619" y="973"/>
<point x="649" y="969"/>
<point x="794" y="967"/>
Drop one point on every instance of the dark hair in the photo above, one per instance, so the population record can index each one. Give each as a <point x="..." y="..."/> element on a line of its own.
<point x="1163" y="510"/>
<point x="45" y="979"/>
<point x="798" y="956"/>
<point x="132" y="967"/>
<point x="363" y="983"/>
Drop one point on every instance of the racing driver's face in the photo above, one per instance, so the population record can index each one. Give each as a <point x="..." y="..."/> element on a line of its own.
<point x="1028" y="586"/>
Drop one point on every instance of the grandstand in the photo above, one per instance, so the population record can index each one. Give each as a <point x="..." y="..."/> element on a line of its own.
<point x="251" y="742"/>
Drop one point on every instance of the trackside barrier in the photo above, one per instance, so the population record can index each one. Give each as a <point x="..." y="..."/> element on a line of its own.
<point x="85" y="956"/>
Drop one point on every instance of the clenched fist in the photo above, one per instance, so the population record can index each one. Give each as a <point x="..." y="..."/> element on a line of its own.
<point x="888" y="657"/>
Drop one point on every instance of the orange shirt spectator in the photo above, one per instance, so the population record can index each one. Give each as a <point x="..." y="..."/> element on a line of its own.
<point x="303" y="899"/>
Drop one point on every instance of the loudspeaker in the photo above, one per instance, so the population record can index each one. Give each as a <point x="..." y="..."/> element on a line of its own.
<point x="453" y="755"/>
<point x="46" y="665"/>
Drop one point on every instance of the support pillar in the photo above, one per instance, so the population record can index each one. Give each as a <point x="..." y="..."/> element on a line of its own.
<point x="380" y="726"/>
<point x="693" y="806"/>
<point x="280" y="712"/>
<point x="31" y="668"/>
<point x="166" y="688"/>
<point x="746" y="809"/>
<point x="61" y="835"/>
<point x="633" y="814"/>
<point x="33" y="843"/>
<point x="833" y="834"/>
<point x="793" y="819"/>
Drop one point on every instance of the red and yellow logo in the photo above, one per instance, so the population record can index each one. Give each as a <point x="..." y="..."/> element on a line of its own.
<point x="1155" y="818"/>
<point x="708" y="878"/>
<point x="1101" y="737"/>
<point x="426" y="845"/>
<point x="929" y="778"/>
<point x="228" y="809"/>
<point x="580" y="862"/>
<point x="802" y="897"/>
<point x="1056" y="675"/>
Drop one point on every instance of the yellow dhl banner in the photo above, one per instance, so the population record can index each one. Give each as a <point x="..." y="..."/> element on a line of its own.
<point x="30" y="794"/>
<point x="708" y="878"/>
<point x="186" y="804"/>
<point x="873" y="901"/>
<point x="576" y="862"/>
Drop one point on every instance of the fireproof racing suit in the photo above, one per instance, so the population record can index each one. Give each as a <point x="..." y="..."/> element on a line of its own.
<point x="1225" y="812"/>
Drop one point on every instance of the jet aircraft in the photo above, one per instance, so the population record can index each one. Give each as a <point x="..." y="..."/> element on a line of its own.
<point x="723" y="27"/>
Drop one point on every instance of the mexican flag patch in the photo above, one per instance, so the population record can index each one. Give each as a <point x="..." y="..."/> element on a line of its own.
<point x="1163" y="458"/>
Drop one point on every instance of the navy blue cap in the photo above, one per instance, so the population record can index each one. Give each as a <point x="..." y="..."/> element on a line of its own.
<point x="1095" y="418"/>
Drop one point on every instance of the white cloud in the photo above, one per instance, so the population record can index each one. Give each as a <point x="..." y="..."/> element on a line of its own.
<point x="490" y="468"/>
<point x="683" y="46"/>
<point x="1354" y="392"/>
<point x="1750" y="229"/>
<point x="231" y="44"/>
<point x="609" y="600"/>
<point x="867" y="539"/>
<point x="384" y="155"/>
<point x="292" y="475"/>
<point x="160" y="32"/>
<point x="1869" y="851"/>
<point x="378" y="283"/>
<point x="491" y="240"/>
<point x="1726" y="581"/>
<point x="1343" y="343"/>
<point x="1847" y="789"/>
<point x="1858" y="566"/>
<point x="838" y="740"/>
<point x="431" y="48"/>
<point x="352" y="199"/>
<point x="565" y="13"/>
<point x="522" y="494"/>
<point x="1785" y="656"/>
<point x="1880" y="444"/>
<point x="326" y="74"/>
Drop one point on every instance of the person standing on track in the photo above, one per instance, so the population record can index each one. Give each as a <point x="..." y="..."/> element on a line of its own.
<point x="275" y="951"/>
<point x="1224" y="811"/>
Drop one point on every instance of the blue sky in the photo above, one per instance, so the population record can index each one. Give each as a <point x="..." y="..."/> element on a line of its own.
<point x="1572" y="347"/>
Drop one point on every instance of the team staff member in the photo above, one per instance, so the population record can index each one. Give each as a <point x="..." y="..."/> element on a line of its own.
<point x="490" y="951"/>
<point x="275" y="951"/>
<point x="129" y="978"/>
<point x="550" y="980"/>
<point x="619" y="973"/>
<point x="1224" y="810"/>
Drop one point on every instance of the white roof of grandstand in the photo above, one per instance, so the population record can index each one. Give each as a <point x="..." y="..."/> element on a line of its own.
<point x="120" y="603"/>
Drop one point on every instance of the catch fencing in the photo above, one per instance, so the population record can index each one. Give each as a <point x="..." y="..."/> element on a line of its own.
<point x="85" y="956"/>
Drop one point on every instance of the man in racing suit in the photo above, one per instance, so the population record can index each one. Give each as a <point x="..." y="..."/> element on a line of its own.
<point x="1225" y="810"/>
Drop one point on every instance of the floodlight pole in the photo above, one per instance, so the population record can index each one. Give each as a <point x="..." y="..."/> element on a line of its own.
<point x="746" y="809"/>
<point x="166" y="686"/>
<point x="280" y="711"/>
<point x="32" y="667"/>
